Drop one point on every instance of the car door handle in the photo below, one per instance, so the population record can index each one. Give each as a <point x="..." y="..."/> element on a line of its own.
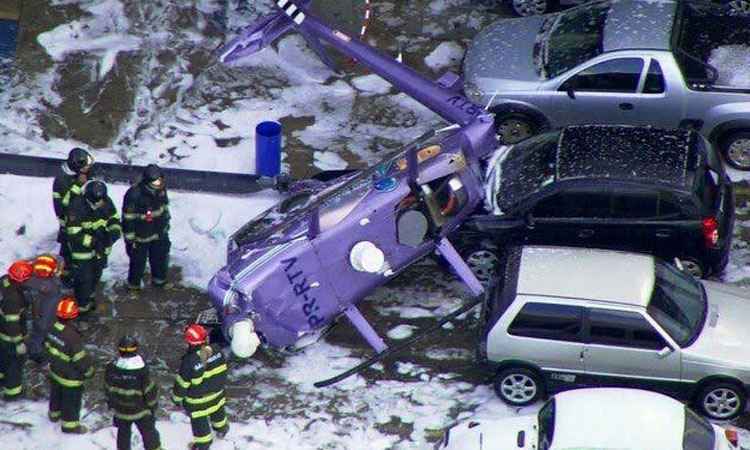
<point x="626" y="106"/>
<point x="585" y="233"/>
<point x="663" y="233"/>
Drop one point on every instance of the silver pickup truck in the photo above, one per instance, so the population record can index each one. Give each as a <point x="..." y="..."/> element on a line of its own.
<point x="636" y="62"/>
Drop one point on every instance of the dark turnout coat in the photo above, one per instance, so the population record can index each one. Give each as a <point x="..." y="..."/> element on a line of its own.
<point x="130" y="391"/>
<point x="199" y="385"/>
<point x="70" y="364"/>
<point x="145" y="214"/>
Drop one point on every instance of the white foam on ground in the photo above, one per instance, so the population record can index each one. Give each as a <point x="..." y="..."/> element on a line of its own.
<point x="732" y="62"/>
<point x="445" y="54"/>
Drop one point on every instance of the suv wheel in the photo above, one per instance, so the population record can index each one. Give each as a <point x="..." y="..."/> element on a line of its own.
<point x="693" y="267"/>
<point x="736" y="150"/>
<point x="722" y="400"/>
<point x="518" y="386"/>
<point x="531" y="7"/>
<point x="483" y="261"/>
<point x="514" y="127"/>
<point x="740" y="7"/>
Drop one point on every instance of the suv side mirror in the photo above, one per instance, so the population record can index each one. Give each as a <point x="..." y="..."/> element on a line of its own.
<point x="663" y="353"/>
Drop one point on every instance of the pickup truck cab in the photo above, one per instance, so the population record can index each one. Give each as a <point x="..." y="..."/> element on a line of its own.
<point x="667" y="64"/>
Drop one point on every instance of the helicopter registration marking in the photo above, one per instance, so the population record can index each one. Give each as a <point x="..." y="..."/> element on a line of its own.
<point x="300" y="287"/>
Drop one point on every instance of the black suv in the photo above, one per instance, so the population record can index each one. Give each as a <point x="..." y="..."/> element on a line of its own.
<point x="640" y="189"/>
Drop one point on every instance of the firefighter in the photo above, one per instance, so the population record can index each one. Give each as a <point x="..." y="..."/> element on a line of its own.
<point x="132" y="395"/>
<point x="13" y="328"/>
<point x="145" y="224"/>
<point x="69" y="366"/>
<point x="67" y="186"/>
<point x="45" y="288"/>
<point x="92" y="225"/>
<point x="199" y="387"/>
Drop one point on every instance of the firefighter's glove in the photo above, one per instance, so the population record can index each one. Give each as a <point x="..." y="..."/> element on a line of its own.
<point x="21" y="349"/>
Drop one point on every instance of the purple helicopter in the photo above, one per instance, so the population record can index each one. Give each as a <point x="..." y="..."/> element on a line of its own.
<point x="295" y="269"/>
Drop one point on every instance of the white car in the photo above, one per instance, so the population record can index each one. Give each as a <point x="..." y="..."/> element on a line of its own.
<point x="598" y="419"/>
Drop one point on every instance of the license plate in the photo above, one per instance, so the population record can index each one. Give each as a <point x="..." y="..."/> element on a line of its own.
<point x="207" y="317"/>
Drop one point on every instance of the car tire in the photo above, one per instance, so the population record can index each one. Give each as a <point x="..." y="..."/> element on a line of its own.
<point x="513" y="128"/>
<point x="739" y="7"/>
<point x="525" y="8"/>
<point x="722" y="400"/>
<point x="483" y="259"/>
<point x="519" y="386"/>
<point x="694" y="267"/>
<point x="735" y="149"/>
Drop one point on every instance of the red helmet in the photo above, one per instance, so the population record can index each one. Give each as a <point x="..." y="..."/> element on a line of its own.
<point x="20" y="271"/>
<point x="67" y="308"/>
<point x="45" y="266"/>
<point x="196" y="335"/>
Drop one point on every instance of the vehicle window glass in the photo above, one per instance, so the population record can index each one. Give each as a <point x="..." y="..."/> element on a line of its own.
<point x="526" y="168"/>
<point x="634" y="205"/>
<point x="548" y="321"/>
<point x="678" y="303"/>
<point x="654" y="79"/>
<point x="698" y="434"/>
<point x="707" y="187"/>
<point x="574" y="204"/>
<point x="623" y="329"/>
<point x="617" y="75"/>
<point x="668" y="206"/>
<point x="546" y="424"/>
<point x="572" y="38"/>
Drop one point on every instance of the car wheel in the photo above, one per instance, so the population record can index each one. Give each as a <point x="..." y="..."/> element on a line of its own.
<point x="530" y="7"/>
<point x="722" y="401"/>
<point x="736" y="150"/>
<point x="483" y="261"/>
<point x="739" y="7"/>
<point x="518" y="386"/>
<point x="693" y="267"/>
<point x="514" y="128"/>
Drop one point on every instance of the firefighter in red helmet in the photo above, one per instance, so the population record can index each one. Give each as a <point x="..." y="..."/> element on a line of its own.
<point x="13" y="328"/>
<point x="199" y="387"/>
<point x="69" y="366"/>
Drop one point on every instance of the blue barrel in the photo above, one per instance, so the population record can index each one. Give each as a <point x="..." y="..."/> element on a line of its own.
<point x="268" y="149"/>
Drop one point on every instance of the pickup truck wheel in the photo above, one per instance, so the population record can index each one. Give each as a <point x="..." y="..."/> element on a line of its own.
<point x="514" y="127"/>
<point x="530" y="7"/>
<point x="736" y="150"/>
<point x="722" y="400"/>
<point x="518" y="386"/>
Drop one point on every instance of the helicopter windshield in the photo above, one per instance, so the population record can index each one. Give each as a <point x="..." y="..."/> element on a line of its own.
<point x="288" y="219"/>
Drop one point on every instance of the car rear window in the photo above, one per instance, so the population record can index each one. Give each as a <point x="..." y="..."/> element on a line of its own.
<point x="678" y="303"/>
<point x="699" y="434"/>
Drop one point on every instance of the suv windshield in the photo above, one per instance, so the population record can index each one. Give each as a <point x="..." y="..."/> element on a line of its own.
<point x="699" y="434"/>
<point x="572" y="38"/>
<point x="546" y="425"/>
<point x="678" y="304"/>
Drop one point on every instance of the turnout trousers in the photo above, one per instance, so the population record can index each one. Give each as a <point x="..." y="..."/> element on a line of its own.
<point x="11" y="369"/>
<point x="202" y="426"/>
<point x="66" y="274"/>
<point x="157" y="254"/>
<point x="146" y="426"/>
<point x="86" y="279"/>
<point x="65" y="403"/>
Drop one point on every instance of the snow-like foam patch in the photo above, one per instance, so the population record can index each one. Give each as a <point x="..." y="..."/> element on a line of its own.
<point x="732" y="62"/>
<point x="372" y="84"/>
<point x="445" y="54"/>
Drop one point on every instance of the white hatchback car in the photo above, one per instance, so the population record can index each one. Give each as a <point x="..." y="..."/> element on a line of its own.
<point x="597" y="419"/>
